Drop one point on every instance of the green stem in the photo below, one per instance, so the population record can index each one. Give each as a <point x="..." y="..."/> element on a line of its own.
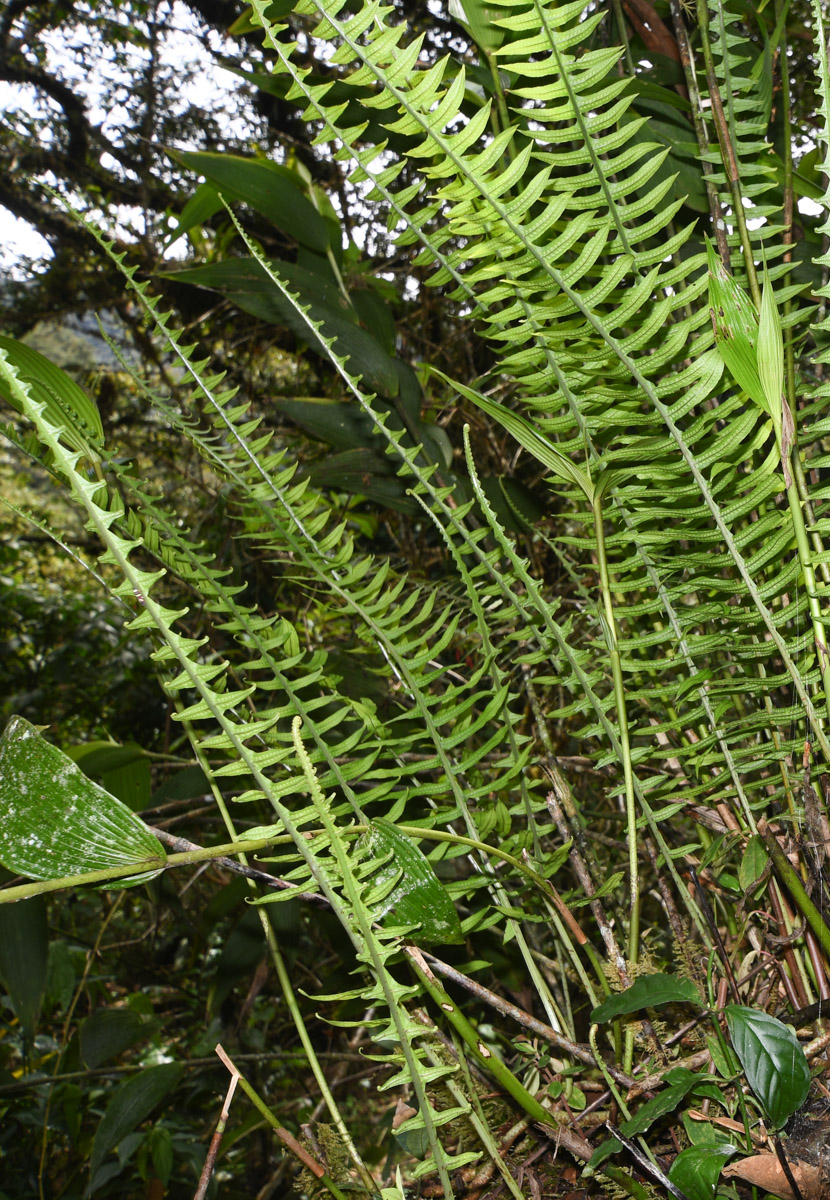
<point x="609" y="1082"/>
<point x="619" y="16"/>
<point x="502" y="1074"/>
<point x="477" y="1117"/>
<point x="262" y="1108"/>
<point x="791" y="880"/>
<point x="24" y="891"/>
<point x="622" y="721"/>
<point x="501" y="103"/>
<point x="316" y="1066"/>
<point x="809" y="576"/>
<point x="727" y="150"/>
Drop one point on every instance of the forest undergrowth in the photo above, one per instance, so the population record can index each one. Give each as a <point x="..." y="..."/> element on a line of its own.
<point x="470" y="835"/>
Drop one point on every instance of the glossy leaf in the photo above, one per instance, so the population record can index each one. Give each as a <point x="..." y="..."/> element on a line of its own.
<point x="131" y="1104"/>
<point x="202" y="205"/>
<point x="409" y="888"/>
<point x="55" y="822"/>
<point x="736" y="328"/>
<point x="277" y="9"/>
<point x="267" y="188"/>
<point x="773" y="1061"/>
<point x="67" y="404"/>
<point x="336" y="422"/>
<point x="697" y="1169"/>
<point x="647" y="991"/>
<point x="124" y="771"/>
<point x="363" y="472"/>
<point x="771" y="352"/>
<point x="479" y="17"/>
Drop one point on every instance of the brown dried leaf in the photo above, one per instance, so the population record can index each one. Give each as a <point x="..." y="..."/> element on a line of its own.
<point x="765" y="1171"/>
<point x="656" y="35"/>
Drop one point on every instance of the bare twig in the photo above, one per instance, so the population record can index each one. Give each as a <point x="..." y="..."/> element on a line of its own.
<point x="216" y="1140"/>
<point x="180" y="845"/>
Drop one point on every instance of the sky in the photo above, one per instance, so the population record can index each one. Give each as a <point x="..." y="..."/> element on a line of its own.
<point x="72" y="52"/>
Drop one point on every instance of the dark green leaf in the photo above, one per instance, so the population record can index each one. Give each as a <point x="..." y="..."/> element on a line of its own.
<point x="60" y="976"/>
<point x="109" y="1032"/>
<point x="130" y="784"/>
<point x="604" y="1151"/>
<point x="242" y="949"/>
<point x="773" y="1061"/>
<point x="376" y="317"/>
<point x="335" y="422"/>
<point x="55" y="822"/>
<point x="183" y="785"/>
<point x="97" y="758"/>
<point x="124" y="770"/>
<point x="131" y="1104"/>
<point x="273" y="12"/>
<point x="245" y="282"/>
<point x="264" y="186"/>
<point x="648" y="991"/>
<point x="480" y="16"/>
<point x="24" y="957"/>
<point x="202" y="205"/>
<point x="752" y="863"/>
<point x="665" y="1101"/>
<point x="696" y="1171"/>
<point x="161" y="1150"/>
<point x="364" y="473"/>
<point x="417" y="897"/>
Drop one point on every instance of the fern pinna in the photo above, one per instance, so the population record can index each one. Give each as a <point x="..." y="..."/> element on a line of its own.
<point x="558" y="227"/>
<point x="546" y="198"/>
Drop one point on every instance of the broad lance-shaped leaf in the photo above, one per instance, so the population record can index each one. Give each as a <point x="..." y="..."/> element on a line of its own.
<point x="696" y="1170"/>
<point x="736" y="328"/>
<point x="771" y="372"/>
<point x="269" y="188"/>
<point x="527" y="435"/>
<point x="131" y="1103"/>
<point x="774" y="1063"/>
<point x="480" y="18"/>
<point x="24" y="958"/>
<point x="771" y="352"/>
<point x="647" y="991"/>
<point x="406" y="887"/>
<point x="56" y="822"/>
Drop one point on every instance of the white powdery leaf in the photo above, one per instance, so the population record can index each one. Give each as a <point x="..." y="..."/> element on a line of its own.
<point x="55" y="822"/>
